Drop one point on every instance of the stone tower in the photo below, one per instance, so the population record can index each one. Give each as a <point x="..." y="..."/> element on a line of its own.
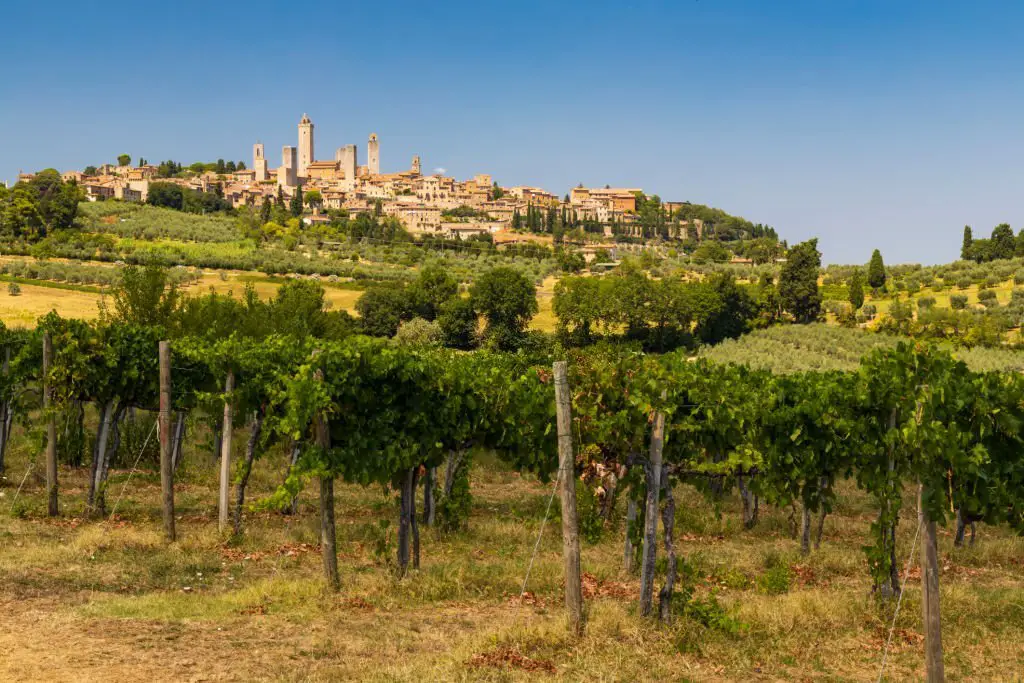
<point x="348" y="159"/>
<point x="416" y="165"/>
<point x="373" y="155"/>
<point x="305" y="145"/>
<point x="286" y="175"/>
<point x="259" y="162"/>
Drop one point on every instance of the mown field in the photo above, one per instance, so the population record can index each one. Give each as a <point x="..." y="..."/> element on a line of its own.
<point x="109" y="600"/>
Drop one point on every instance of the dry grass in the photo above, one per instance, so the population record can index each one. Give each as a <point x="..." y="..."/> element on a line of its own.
<point x="86" y="600"/>
<point x="33" y="302"/>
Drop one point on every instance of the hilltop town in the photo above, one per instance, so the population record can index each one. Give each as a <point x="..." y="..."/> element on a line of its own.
<point x="425" y="204"/>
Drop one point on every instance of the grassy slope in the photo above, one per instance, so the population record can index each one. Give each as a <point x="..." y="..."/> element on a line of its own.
<point x="89" y="601"/>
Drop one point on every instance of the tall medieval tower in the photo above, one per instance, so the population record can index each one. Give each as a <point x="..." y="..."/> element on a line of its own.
<point x="286" y="173"/>
<point x="305" y="145"/>
<point x="259" y="162"/>
<point x="415" y="165"/>
<point x="373" y="155"/>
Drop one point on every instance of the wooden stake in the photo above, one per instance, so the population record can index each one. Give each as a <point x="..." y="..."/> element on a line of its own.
<point x="930" y="594"/>
<point x="51" y="427"/>
<point x="328" y="533"/>
<point x="570" y="527"/>
<point x="166" y="464"/>
<point x="223" y="506"/>
<point x="650" y="551"/>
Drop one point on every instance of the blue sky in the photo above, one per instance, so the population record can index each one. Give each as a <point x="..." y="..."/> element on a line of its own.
<point x="870" y="123"/>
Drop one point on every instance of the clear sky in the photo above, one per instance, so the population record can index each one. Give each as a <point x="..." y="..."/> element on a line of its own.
<point x="867" y="123"/>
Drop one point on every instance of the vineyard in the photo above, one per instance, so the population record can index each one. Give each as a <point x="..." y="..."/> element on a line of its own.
<point x="788" y="349"/>
<point x="724" y="503"/>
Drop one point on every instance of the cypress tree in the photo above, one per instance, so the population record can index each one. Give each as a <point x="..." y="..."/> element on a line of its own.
<point x="876" y="270"/>
<point x="295" y="208"/>
<point x="965" y="249"/>
<point x="856" y="290"/>
<point x="798" y="282"/>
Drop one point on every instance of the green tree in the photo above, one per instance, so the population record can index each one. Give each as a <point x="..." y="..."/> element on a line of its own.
<point x="798" y="282"/>
<point x="167" y="195"/>
<point x="295" y="205"/>
<point x="90" y="170"/>
<point x="143" y="296"/>
<point x="458" y="321"/>
<point x="507" y="299"/>
<point x="298" y="309"/>
<point x="21" y="216"/>
<point x="876" y="271"/>
<point x="726" y="315"/>
<point x="1003" y="243"/>
<point x="710" y="251"/>
<point x="965" y="248"/>
<point x="124" y="159"/>
<point x="313" y="198"/>
<point x="57" y="200"/>
<point x="496" y="191"/>
<point x="433" y="287"/>
<point x="382" y="309"/>
<point x="856" y="290"/>
<point x="265" y="211"/>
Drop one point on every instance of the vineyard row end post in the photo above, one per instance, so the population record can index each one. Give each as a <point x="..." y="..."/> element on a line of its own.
<point x="223" y="503"/>
<point x="51" y="427"/>
<point x="166" y="463"/>
<point x="567" y="476"/>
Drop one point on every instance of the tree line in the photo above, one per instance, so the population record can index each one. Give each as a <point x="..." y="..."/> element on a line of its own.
<point x="33" y="208"/>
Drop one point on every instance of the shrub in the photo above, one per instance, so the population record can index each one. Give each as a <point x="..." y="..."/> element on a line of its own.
<point x="777" y="577"/>
<point x="925" y="303"/>
<point x="869" y="311"/>
<point x="958" y="302"/>
<point x="1018" y="277"/>
<point x="14" y="289"/>
<point x="964" y="282"/>
<point x="419" y="332"/>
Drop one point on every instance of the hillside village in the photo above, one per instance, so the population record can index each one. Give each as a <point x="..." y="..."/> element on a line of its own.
<point x="425" y="204"/>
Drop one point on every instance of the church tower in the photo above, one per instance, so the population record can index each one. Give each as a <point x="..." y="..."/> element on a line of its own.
<point x="305" y="145"/>
<point x="373" y="155"/>
<point x="415" y="165"/>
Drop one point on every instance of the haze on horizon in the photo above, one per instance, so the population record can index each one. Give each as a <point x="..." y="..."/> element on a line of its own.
<point x="863" y="122"/>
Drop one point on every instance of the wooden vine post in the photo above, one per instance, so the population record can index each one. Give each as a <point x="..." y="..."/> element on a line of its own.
<point x="223" y="505"/>
<point x="328" y="534"/>
<point x="934" y="669"/>
<point x="650" y="549"/>
<point x="51" y="427"/>
<point x="567" y="475"/>
<point x="166" y="463"/>
<point x="930" y="594"/>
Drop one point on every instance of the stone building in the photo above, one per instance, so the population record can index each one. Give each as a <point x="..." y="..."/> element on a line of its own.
<point x="306" y="156"/>
<point x="373" y="155"/>
<point x="287" y="174"/>
<point x="259" y="162"/>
